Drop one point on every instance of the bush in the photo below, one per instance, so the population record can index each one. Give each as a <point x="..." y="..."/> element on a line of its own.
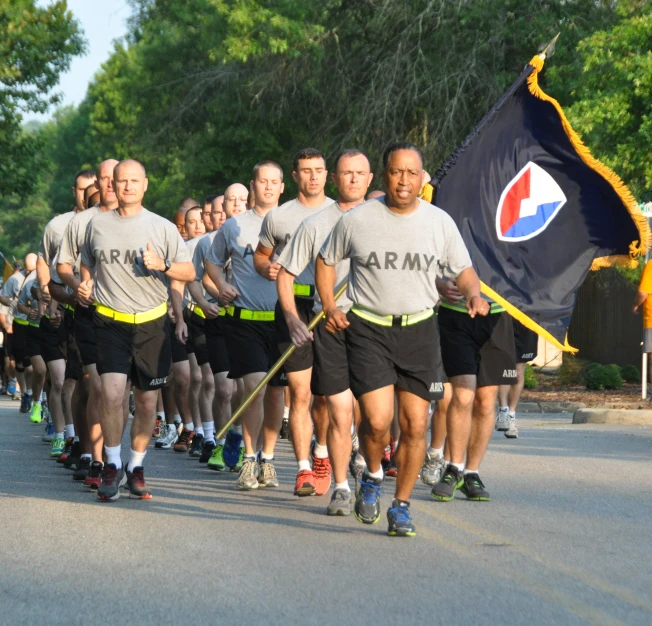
<point x="613" y="379"/>
<point x="630" y="374"/>
<point x="598" y="377"/>
<point x="530" y="378"/>
<point x="571" y="372"/>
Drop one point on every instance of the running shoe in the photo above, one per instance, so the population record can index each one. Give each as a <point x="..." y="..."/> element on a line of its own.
<point x="3" y="391"/>
<point x="73" y="458"/>
<point x="11" y="387"/>
<point x="285" y="429"/>
<point x="94" y="477"/>
<point x="502" y="419"/>
<point x="112" y="480"/>
<point x="340" y="503"/>
<point x="356" y="469"/>
<point x="66" y="450"/>
<point x="83" y="468"/>
<point x="185" y="441"/>
<point x="232" y="448"/>
<point x="24" y="404"/>
<point x="305" y="484"/>
<point x="49" y="432"/>
<point x="57" y="448"/>
<point x="367" y="500"/>
<point x="179" y="426"/>
<point x="241" y="458"/>
<point x="168" y="439"/>
<point x="248" y="478"/>
<point x="136" y="484"/>
<point x="36" y="414"/>
<point x="207" y="451"/>
<point x="355" y="442"/>
<point x="216" y="462"/>
<point x="512" y="431"/>
<point x="17" y="396"/>
<point x="432" y="469"/>
<point x="196" y="446"/>
<point x="392" y="469"/>
<point x="450" y="482"/>
<point x="267" y="474"/>
<point x="473" y="488"/>
<point x="159" y="429"/>
<point x="46" y="411"/>
<point x="321" y="468"/>
<point x="399" y="520"/>
<point x="132" y="403"/>
<point x="388" y="455"/>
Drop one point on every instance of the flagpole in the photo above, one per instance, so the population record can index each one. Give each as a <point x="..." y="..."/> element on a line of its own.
<point x="275" y="368"/>
<point x="450" y="161"/>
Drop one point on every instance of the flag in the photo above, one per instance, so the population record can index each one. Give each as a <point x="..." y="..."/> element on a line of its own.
<point x="8" y="270"/>
<point x="535" y="209"/>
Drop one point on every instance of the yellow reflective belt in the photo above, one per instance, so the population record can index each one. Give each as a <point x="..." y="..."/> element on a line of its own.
<point x="305" y="291"/>
<point x="254" y="316"/>
<point x="133" y="318"/>
<point x="493" y="307"/>
<point x="197" y="311"/>
<point x="21" y="322"/>
<point x="388" y="320"/>
<point x="35" y="325"/>
<point x="70" y="308"/>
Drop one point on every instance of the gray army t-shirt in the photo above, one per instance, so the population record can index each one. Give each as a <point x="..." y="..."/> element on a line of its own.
<point x="199" y="260"/>
<point x="51" y="241"/>
<point x="113" y="248"/>
<point x="191" y="246"/>
<point x="281" y="223"/>
<point x="304" y="246"/>
<point x="74" y="235"/>
<point x="27" y="299"/>
<point x="12" y="289"/>
<point x="396" y="258"/>
<point x="237" y="240"/>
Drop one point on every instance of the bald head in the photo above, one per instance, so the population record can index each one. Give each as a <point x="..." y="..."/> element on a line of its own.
<point x="236" y="199"/>
<point x="130" y="184"/>
<point x="30" y="262"/>
<point x="105" y="171"/>
<point x="130" y="163"/>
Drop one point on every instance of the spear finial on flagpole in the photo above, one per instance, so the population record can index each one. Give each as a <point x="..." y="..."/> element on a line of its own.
<point x="549" y="50"/>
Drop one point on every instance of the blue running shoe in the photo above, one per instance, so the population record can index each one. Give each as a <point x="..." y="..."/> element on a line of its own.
<point x="367" y="500"/>
<point x="11" y="387"/>
<point x="231" y="451"/>
<point x="399" y="520"/>
<point x="49" y="432"/>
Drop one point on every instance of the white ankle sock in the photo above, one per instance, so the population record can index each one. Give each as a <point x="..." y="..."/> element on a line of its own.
<point x="209" y="431"/>
<point x="359" y="459"/>
<point x="113" y="455"/>
<point x="379" y="474"/>
<point x="87" y="456"/>
<point x="304" y="465"/>
<point x="266" y="457"/>
<point x="58" y="435"/>
<point x="343" y="486"/>
<point x="220" y="442"/>
<point x="135" y="459"/>
<point x="199" y="430"/>
<point x="459" y="466"/>
<point x="320" y="452"/>
<point x="286" y="412"/>
<point x="70" y="430"/>
<point x="190" y="427"/>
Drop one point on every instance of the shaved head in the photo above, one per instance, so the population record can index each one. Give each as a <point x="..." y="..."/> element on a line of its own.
<point x="30" y="262"/>
<point x="236" y="199"/>
<point x="129" y="162"/>
<point x="107" y="167"/>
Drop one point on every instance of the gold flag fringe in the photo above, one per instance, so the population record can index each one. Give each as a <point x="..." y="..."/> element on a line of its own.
<point x="637" y="248"/>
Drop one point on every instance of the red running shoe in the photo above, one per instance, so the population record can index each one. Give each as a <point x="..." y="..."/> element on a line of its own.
<point x="305" y="485"/>
<point x="321" y="468"/>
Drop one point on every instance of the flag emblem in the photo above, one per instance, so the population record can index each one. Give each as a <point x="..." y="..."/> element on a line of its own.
<point x="528" y="204"/>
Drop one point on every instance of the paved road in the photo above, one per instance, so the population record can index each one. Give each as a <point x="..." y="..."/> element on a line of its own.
<point x="566" y="540"/>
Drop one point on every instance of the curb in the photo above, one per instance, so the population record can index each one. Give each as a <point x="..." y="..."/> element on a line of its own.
<point x="549" y="407"/>
<point x="642" y="417"/>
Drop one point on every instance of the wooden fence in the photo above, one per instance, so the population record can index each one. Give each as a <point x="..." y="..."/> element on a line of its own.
<point x="603" y="327"/>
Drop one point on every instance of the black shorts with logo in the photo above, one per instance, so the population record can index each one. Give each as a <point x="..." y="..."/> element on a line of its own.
<point x="526" y="342"/>
<point x="73" y="358"/>
<point x="85" y="334"/>
<point x="301" y="359"/>
<point x="32" y="341"/>
<point x="406" y="356"/>
<point x="177" y="349"/>
<point x="218" y="355"/>
<point x="252" y="348"/>
<point x="197" y="336"/>
<point x="479" y="346"/>
<point x="19" y="346"/>
<point x="330" y="371"/>
<point x="141" y="351"/>
<point x="50" y="341"/>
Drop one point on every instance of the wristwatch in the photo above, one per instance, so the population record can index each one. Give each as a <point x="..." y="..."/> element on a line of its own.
<point x="168" y="265"/>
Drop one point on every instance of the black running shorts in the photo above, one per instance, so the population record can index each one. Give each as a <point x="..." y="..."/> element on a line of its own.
<point x="8" y="344"/>
<point x="189" y="347"/>
<point x="32" y="341"/>
<point x="73" y="358"/>
<point x="406" y="356"/>
<point x="330" y="371"/>
<point x="301" y="358"/>
<point x="479" y="346"/>
<point x="141" y="351"/>
<point x="50" y="341"/>
<point x="19" y="346"/>
<point x="218" y="356"/>
<point x="526" y="342"/>
<point x="177" y="349"/>
<point x="197" y="334"/>
<point x="252" y="348"/>
<point x="85" y="334"/>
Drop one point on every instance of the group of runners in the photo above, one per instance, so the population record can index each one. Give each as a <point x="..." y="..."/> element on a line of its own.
<point x="192" y="313"/>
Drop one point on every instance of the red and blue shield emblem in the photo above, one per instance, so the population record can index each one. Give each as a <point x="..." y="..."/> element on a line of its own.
<point x="528" y="204"/>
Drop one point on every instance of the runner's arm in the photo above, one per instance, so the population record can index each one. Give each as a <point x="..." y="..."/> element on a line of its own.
<point x="67" y="275"/>
<point x="285" y="289"/>
<point x="176" y="297"/>
<point x="210" y="287"/>
<point x="263" y="262"/>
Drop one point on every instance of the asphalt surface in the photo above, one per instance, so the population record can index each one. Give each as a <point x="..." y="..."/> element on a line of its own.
<point x="566" y="539"/>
